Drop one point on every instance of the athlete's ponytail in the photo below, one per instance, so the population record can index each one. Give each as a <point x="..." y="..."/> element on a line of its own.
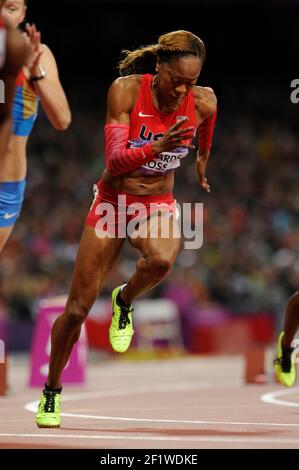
<point x="170" y="45"/>
<point x="139" y="61"/>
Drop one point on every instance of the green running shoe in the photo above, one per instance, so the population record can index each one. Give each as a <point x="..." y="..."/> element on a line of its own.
<point x="48" y="413"/>
<point x="121" y="328"/>
<point x="284" y="364"/>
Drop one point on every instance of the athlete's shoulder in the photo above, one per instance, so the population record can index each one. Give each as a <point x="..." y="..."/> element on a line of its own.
<point x="125" y="90"/>
<point x="122" y="95"/>
<point x="128" y="84"/>
<point x="205" y="100"/>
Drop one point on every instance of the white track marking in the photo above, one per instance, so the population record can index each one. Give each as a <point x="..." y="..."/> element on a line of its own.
<point x="178" y="421"/>
<point x="139" y="389"/>
<point x="125" y="437"/>
<point x="271" y="397"/>
<point x="32" y="407"/>
<point x="125" y="392"/>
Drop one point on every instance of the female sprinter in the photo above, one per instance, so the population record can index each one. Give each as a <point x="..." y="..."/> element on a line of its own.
<point x="37" y="81"/>
<point x="151" y="122"/>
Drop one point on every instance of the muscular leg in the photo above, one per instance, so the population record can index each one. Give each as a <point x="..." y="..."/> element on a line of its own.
<point x="4" y="235"/>
<point x="158" y="256"/>
<point x="291" y="322"/>
<point x="95" y="258"/>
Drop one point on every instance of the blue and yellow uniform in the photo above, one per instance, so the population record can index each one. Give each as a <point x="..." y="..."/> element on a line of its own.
<point x="25" y="107"/>
<point x="24" y="114"/>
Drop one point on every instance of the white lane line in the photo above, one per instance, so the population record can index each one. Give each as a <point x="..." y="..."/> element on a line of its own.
<point x="32" y="407"/>
<point x="271" y="397"/>
<point x="132" y="391"/>
<point x="177" y="421"/>
<point x="125" y="437"/>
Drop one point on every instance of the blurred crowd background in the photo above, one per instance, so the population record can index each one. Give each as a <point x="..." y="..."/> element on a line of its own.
<point x="249" y="262"/>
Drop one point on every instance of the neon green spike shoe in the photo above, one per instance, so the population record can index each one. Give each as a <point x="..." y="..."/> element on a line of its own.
<point x="121" y="328"/>
<point x="48" y="413"/>
<point x="284" y="364"/>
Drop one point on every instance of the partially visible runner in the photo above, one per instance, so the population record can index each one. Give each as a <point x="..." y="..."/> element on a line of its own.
<point x="37" y="81"/>
<point x="150" y="125"/>
<point x="285" y="362"/>
<point x="12" y="57"/>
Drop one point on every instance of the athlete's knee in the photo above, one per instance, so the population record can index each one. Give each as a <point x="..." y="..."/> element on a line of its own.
<point x="159" y="265"/>
<point x="76" y="314"/>
<point x="294" y="301"/>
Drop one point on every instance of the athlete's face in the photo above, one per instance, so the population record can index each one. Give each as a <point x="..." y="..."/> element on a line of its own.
<point x="13" y="11"/>
<point x="177" y="77"/>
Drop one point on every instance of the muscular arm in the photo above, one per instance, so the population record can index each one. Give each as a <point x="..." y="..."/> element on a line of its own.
<point x="206" y="103"/>
<point x="121" y="100"/>
<point x="15" y="56"/>
<point x="51" y="93"/>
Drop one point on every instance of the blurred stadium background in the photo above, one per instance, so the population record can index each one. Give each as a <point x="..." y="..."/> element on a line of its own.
<point x="249" y="263"/>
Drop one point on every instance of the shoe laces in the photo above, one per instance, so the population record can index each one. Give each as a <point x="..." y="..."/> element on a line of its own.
<point x="124" y="319"/>
<point x="49" y="406"/>
<point x="285" y="361"/>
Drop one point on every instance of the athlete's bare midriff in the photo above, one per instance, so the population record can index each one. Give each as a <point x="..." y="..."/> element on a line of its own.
<point x="140" y="185"/>
<point x="14" y="165"/>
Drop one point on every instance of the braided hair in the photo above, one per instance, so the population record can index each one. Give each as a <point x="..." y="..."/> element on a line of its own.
<point x="171" y="45"/>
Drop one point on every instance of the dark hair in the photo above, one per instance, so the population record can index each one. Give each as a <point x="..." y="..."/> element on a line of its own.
<point x="170" y="45"/>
